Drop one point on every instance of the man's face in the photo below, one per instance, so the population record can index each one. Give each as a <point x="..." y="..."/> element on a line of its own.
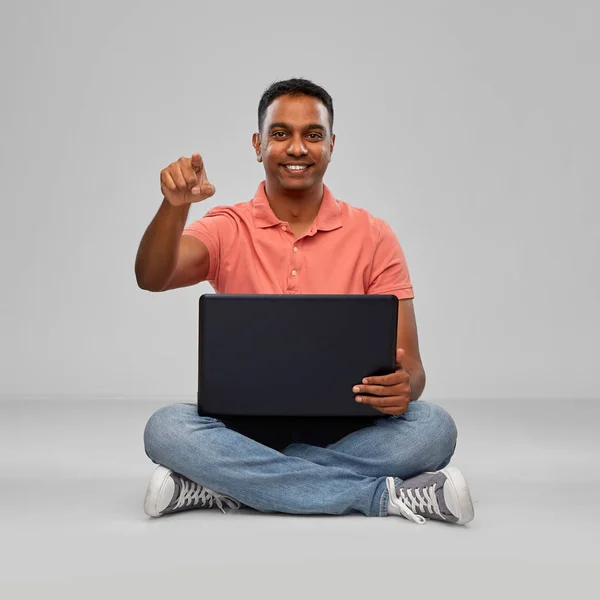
<point x="295" y="132"/>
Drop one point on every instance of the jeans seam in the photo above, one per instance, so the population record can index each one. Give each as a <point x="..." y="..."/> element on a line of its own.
<point x="383" y="502"/>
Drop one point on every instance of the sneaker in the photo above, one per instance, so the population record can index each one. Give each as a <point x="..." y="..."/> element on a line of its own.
<point x="170" y="492"/>
<point x="442" y="495"/>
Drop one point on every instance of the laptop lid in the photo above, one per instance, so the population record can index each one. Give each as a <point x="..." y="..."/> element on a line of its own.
<point x="292" y="355"/>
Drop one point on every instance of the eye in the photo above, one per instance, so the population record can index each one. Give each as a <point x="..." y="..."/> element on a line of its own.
<point x="276" y="133"/>
<point x="315" y="134"/>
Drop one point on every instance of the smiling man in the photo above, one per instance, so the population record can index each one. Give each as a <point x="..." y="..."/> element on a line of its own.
<point x="295" y="237"/>
<point x="296" y="148"/>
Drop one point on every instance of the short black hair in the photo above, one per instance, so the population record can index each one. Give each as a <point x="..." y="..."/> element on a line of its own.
<point x="293" y="87"/>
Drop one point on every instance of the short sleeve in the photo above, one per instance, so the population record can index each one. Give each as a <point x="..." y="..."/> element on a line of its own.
<point x="389" y="271"/>
<point x="210" y="230"/>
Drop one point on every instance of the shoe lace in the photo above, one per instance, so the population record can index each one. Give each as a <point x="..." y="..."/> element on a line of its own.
<point x="192" y="494"/>
<point x="415" y="500"/>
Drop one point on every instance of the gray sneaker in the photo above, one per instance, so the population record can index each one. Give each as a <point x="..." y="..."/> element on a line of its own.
<point x="170" y="492"/>
<point x="442" y="495"/>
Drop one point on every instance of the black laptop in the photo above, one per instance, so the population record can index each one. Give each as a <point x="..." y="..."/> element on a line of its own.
<point x="292" y="355"/>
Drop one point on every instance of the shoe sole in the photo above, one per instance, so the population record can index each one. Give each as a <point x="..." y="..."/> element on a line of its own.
<point x="462" y="496"/>
<point x="157" y="481"/>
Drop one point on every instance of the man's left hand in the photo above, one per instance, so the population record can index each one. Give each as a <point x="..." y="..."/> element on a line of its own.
<point x="389" y="394"/>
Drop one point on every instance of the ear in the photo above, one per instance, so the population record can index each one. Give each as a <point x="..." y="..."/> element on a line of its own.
<point x="256" y="145"/>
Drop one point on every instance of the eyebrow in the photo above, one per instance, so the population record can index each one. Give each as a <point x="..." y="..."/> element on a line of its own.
<point x="309" y="126"/>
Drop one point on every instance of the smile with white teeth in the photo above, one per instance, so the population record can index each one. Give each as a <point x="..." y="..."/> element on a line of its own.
<point x="296" y="167"/>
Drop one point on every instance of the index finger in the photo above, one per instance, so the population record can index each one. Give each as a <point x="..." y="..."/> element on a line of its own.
<point x="390" y="379"/>
<point x="197" y="162"/>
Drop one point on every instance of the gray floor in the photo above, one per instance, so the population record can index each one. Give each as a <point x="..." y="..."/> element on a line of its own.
<point x="74" y="476"/>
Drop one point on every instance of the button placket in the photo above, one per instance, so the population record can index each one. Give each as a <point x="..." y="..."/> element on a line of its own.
<point x="293" y="272"/>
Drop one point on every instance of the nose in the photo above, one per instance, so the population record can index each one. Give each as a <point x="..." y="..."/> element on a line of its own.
<point x="297" y="147"/>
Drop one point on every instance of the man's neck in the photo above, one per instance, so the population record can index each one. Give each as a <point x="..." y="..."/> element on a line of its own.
<point x="301" y="207"/>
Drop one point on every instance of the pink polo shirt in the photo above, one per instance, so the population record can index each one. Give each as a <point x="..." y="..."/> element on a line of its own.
<point x="345" y="251"/>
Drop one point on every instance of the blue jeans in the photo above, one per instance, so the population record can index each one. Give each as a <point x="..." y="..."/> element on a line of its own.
<point x="346" y="476"/>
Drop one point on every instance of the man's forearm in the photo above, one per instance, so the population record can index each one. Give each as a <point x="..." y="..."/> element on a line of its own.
<point x="157" y="253"/>
<point x="417" y="382"/>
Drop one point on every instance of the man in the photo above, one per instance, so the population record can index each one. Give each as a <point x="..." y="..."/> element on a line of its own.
<point x="295" y="237"/>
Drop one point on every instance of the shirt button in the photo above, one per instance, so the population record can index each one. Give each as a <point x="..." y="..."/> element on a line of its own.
<point x="295" y="249"/>
<point x="294" y="272"/>
<point x="284" y="228"/>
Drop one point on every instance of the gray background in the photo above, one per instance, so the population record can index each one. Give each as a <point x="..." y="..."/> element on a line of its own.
<point x="471" y="127"/>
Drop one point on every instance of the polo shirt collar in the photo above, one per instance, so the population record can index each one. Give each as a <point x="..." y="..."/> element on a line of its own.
<point x="328" y="218"/>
